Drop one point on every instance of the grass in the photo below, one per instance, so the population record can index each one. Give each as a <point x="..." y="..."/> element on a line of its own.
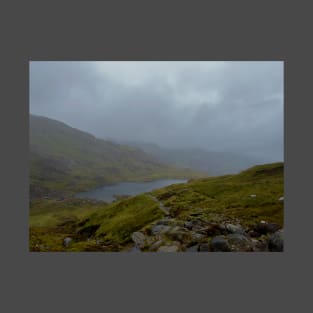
<point x="64" y="161"/>
<point x="216" y="199"/>
<point x="229" y="197"/>
<point x="119" y="220"/>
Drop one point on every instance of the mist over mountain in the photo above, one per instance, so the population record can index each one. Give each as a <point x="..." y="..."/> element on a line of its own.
<point x="211" y="162"/>
<point x="229" y="107"/>
<point x="65" y="160"/>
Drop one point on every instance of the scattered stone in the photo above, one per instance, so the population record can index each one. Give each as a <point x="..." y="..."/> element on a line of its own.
<point x="219" y="244"/>
<point x="204" y="247"/>
<point x="198" y="237"/>
<point x="160" y="229"/>
<point x="168" y="249"/>
<point x="276" y="241"/>
<point x="281" y="199"/>
<point x="67" y="241"/>
<point x="234" y="229"/>
<point x="139" y="239"/>
<point x="156" y="245"/>
<point x="165" y="222"/>
<point x="178" y="233"/>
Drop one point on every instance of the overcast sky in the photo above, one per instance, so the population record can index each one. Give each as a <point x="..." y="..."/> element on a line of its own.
<point x="228" y="106"/>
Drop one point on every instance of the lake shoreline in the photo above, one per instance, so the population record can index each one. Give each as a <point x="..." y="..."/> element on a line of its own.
<point x="112" y="192"/>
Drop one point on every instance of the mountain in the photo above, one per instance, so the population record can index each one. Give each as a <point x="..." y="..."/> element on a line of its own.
<point x="65" y="160"/>
<point x="242" y="212"/>
<point x="212" y="162"/>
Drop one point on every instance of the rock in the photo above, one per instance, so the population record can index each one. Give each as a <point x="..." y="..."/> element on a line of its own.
<point x="168" y="249"/>
<point x="238" y="242"/>
<point x="139" y="239"/>
<point x="194" y="248"/>
<point x="276" y="242"/>
<point x="165" y="222"/>
<point x="67" y="241"/>
<point x="281" y="199"/>
<point x="170" y="222"/>
<point x="196" y="237"/>
<point x="188" y="225"/>
<point x="234" y="229"/>
<point x="260" y="245"/>
<point x="219" y="244"/>
<point x="204" y="247"/>
<point x="264" y="228"/>
<point x="252" y="196"/>
<point x="178" y="233"/>
<point x="160" y="229"/>
<point x="253" y="234"/>
<point x="156" y="245"/>
<point x="212" y="229"/>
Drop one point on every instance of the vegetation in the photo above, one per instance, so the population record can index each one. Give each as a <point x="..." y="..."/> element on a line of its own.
<point x="64" y="160"/>
<point x="246" y="198"/>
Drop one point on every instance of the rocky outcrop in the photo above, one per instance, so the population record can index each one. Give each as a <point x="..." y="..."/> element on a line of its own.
<point x="198" y="235"/>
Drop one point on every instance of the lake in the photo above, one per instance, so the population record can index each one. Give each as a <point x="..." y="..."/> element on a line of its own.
<point x="106" y="193"/>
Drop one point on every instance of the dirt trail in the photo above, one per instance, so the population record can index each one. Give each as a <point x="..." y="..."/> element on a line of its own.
<point x="164" y="209"/>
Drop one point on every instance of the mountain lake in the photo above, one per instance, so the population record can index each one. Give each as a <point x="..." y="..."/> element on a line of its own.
<point x="108" y="193"/>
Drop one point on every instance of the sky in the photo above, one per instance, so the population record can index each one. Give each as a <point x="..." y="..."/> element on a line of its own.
<point x="231" y="106"/>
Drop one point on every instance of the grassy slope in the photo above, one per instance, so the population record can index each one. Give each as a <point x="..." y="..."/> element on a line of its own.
<point x="219" y="199"/>
<point x="64" y="160"/>
<point x="228" y="197"/>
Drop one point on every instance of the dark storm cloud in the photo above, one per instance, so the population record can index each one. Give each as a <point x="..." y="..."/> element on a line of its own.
<point x="230" y="106"/>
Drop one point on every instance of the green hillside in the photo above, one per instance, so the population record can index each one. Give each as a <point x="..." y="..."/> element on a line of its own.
<point x="246" y="199"/>
<point x="65" y="160"/>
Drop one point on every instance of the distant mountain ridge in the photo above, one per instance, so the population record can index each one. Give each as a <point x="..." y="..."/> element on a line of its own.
<point x="212" y="162"/>
<point x="64" y="160"/>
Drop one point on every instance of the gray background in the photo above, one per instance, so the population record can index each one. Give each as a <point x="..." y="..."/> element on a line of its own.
<point x="236" y="30"/>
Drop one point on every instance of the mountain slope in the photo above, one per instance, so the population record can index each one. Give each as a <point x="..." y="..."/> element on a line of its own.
<point x="247" y="199"/>
<point x="64" y="160"/>
<point x="212" y="162"/>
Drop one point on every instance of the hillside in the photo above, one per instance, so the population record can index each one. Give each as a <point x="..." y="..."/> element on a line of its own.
<point x="65" y="160"/>
<point x="242" y="212"/>
<point x="212" y="162"/>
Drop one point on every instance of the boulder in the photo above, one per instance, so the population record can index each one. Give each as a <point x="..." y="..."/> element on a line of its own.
<point x="234" y="229"/>
<point x="67" y="241"/>
<point x="253" y="234"/>
<point x="281" y="199"/>
<point x="240" y="243"/>
<point x="276" y="242"/>
<point x="139" y="239"/>
<point x="264" y="228"/>
<point x="219" y="244"/>
<point x="212" y="229"/>
<point x="198" y="236"/>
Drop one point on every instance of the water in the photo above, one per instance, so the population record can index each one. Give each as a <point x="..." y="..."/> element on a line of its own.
<point x="106" y="193"/>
